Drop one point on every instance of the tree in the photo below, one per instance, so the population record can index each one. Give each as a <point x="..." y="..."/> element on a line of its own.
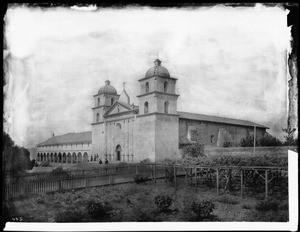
<point x="289" y="137"/>
<point x="15" y="159"/>
<point x="269" y="140"/>
<point x="194" y="150"/>
<point x="248" y="141"/>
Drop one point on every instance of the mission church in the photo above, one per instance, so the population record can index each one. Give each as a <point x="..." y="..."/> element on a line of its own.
<point x="153" y="129"/>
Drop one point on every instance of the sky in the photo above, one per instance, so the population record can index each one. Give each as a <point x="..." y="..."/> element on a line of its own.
<point x="230" y="62"/>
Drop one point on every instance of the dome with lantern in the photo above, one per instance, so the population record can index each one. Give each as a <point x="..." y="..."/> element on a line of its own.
<point x="107" y="89"/>
<point x="157" y="70"/>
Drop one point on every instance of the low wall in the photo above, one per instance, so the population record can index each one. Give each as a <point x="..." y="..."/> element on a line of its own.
<point x="249" y="151"/>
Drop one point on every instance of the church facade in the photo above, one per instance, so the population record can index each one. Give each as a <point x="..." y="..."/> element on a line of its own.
<point x="153" y="129"/>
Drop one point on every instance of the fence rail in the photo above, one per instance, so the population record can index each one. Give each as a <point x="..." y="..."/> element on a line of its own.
<point x="124" y="174"/>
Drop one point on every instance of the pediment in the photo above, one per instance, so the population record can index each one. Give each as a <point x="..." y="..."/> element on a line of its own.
<point x="117" y="108"/>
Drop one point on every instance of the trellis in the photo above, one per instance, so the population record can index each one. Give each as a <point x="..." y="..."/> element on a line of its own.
<point x="192" y="173"/>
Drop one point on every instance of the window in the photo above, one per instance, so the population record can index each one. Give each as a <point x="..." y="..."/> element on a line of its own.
<point x="112" y="101"/>
<point x="146" y="108"/>
<point x="166" y="107"/>
<point x="212" y="138"/>
<point x="194" y="135"/>
<point x="97" y="117"/>
<point x="165" y="87"/>
<point x="98" y="101"/>
<point x="147" y="87"/>
<point x="118" y="126"/>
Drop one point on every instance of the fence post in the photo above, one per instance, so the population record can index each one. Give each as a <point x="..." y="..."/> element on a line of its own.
<point x="217" y="180"/>
<point x="196" y="179"/>
<point x="242" y="183"/>
<point x="60" y="185"/>
<point x="191" y="177"/>
<point x="136" y="169"/>
<point x="110" y="180"/>
<point x="155" y="175"/>
<point x="175" y="174"/>
<point x="165" y="175"/>
<point x="266" y="183"/>
<point x="85" y="182"/>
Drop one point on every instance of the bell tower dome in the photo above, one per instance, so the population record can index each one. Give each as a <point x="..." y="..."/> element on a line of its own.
<point x="103" y="100"/>
<point x="157" y="126"/>
<point x="157" y="91"/>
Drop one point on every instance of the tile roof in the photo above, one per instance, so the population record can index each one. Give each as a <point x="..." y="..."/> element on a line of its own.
<point x="209" y="118"/>
<point x="82" y="137"/>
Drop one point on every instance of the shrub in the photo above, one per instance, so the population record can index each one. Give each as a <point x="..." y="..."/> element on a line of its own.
<point x="170" y="174"/>
<point x="245" y="206"/>
<point x="269" y="140"/>
<point x="228" y="200"/>
<point x="98" y="210"/>
<point x="193" y="150"/>
<point x="248" y="141"/>
<point x="163" y="202"/>
<point x="145" y="161"/>
<point x="203" y="209"/>
<point x="267" y="206"/>
<point x="284" y="206"/>
<point x="227" y="144"/>
<point x="290" y="140"/>
<point x="69" y="216"/>
<point x="138" y="178"/>
<point x="58" y="172"/>
<point x="227" y="140"/>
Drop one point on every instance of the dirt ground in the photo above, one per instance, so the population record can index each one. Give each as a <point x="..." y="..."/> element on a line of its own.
<point x="132" y="202"/>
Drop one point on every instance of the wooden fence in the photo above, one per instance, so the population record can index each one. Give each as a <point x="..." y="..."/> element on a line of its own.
<point x="124" y="174"/>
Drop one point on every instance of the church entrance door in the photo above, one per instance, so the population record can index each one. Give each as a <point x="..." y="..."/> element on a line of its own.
<point x="118" y="150"/>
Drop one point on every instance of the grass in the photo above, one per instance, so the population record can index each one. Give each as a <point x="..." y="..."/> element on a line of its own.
<point x="132" y="202"/>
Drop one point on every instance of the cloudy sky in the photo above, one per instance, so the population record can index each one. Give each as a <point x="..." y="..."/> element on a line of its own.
<point x="229" y="62"/>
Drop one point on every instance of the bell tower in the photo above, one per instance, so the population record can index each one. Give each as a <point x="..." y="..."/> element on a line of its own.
<point x="103" y="100"/>
<point x="158" y="118"/>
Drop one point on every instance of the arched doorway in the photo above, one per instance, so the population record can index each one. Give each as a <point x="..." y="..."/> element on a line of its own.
<point x="85" y="157"/>
<point x="79" y="158"/>
<point x="59" y="158"/>
<point x="55" y="157"/>
<point x="74" y="158"/>
<point x="69" y="158"/>
<point x="64" y="157"/>
<point x="51" y="157"/>
<point x="118" y="152"/>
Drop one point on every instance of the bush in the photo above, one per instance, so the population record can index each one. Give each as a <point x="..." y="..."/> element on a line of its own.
<point x="193" y="150"/>
<point x="203" y="209"/>
<point x="245" y="206"/>
<point x="69" y="216"/>
<point x="227" y="140"/>
<point x="98" y="210"/>
<point x="269" y="140"/>
<point x="145" y="161"/>
<point x="248" y="141"/>
<point x="170" y="174"/>
<point x="228" y="200"/>
<point x="267" y="206"/>
<point x="138" y="178"/>
<point x="163" y="202"/>
<point x="58" y="173"/>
